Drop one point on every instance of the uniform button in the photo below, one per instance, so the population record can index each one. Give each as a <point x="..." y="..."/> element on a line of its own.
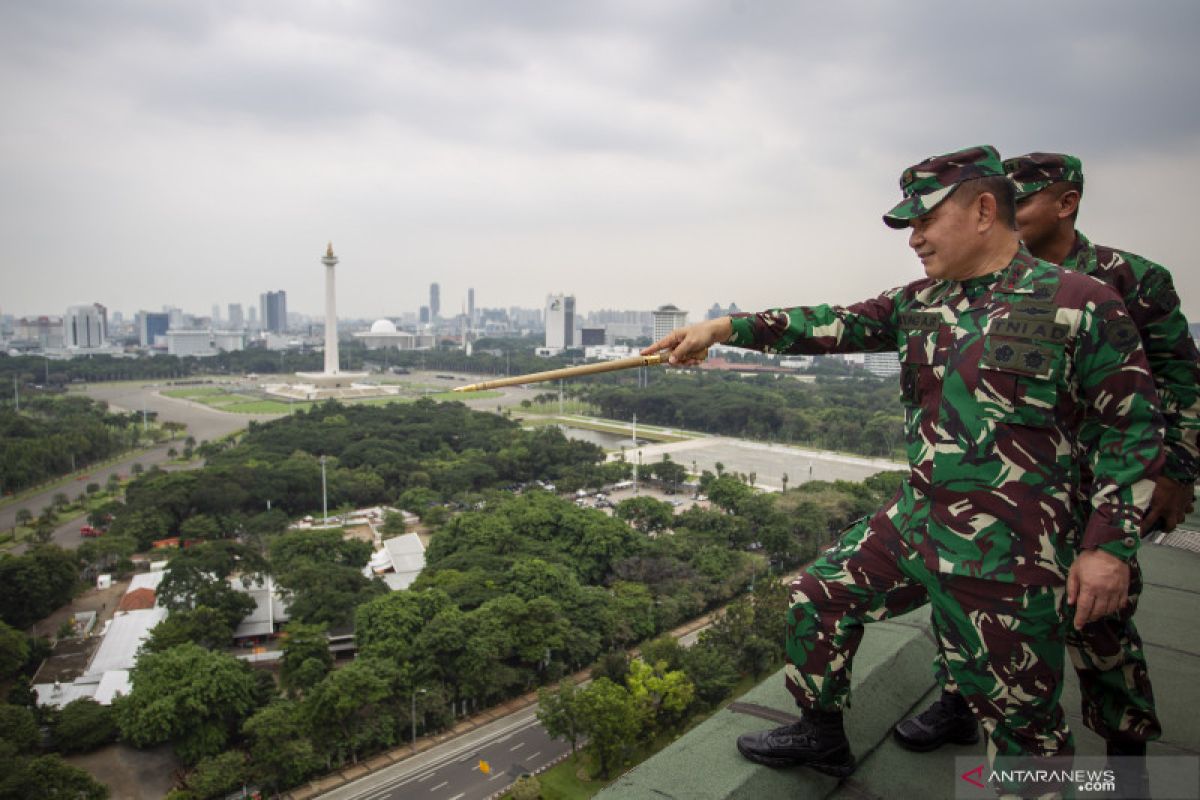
<point x="1129" y="541"/>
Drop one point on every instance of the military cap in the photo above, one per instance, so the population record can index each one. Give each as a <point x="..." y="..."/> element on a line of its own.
<point x="1035" y="171"/>
<point x="927" y="184"/>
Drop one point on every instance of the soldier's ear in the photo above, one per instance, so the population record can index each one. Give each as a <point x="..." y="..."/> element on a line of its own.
<point x="985" y="210"/>
<point x="1068" y="203"/>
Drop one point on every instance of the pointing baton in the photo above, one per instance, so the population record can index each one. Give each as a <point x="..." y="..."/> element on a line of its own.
<point x="571" y="372"/>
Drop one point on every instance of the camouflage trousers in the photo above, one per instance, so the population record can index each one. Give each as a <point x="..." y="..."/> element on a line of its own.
<point x="1114" y="681"/>
<point x="1001" y="642"/>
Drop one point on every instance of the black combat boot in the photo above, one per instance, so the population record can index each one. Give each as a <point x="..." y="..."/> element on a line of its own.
<point x="1127" y="760"/>
<point x="949" y="720"/>
<point x="818" y="741"/>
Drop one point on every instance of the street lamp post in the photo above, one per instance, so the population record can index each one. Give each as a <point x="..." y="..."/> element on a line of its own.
<point x="413" y="717"/>
<point x="324" y="496"/>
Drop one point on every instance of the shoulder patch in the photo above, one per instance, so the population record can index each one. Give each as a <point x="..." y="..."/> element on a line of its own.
<point x="1122" y="334"/>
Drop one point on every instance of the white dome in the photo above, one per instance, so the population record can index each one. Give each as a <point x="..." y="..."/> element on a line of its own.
<point x="383" y="326"/>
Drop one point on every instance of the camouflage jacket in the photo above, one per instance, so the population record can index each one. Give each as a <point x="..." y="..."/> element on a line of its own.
<point x="1149" y="295"/>
<point x="999" y="374"/>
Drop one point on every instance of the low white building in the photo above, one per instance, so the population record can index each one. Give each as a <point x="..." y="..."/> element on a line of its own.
<point x="400" y="561"/>
<point x="183" y="342"/>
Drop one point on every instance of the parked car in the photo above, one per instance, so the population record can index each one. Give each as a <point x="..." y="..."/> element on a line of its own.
<point x="88" y="530"/>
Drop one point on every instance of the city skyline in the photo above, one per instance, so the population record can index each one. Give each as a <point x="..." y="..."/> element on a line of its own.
<point x="629" y="155"/>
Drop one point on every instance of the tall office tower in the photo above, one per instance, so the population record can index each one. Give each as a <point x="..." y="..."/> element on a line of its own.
<point x="151" y="325"/>
<point x="85" y="327"/>
<point x="273" y="307"/>
<point x="424" y="315"/>
<point x="471" y="306"/>
<point x="560" y="321"/>
<point x="435" y="301"/>
<point x="216" y="315"/>
<point x="666" y="319"/>
<point x="252" y="318"/>
<point x="174" y="317"/>
<point x="236" y="322"/>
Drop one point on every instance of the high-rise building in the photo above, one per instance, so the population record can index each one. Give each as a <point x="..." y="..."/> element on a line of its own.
<point x="273" y="308"/>
<point x="150" y="326"/>
<point x="252" y="318"/>
<point x="47" y="332"/>
<point x="236" y="323"/>
<point x="666" y="319"/>
<point x="85" y="327"/>
<point x="435" y="301"/>
<point x="560" y="321"/>
<point x="424" y="317"/>
<point x="215" y="320"/>
<point x="471" y="306"/>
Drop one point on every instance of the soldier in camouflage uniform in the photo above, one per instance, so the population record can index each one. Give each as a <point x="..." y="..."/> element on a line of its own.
<point x="1118" y="702"/>
<point x="1003" y="357"/>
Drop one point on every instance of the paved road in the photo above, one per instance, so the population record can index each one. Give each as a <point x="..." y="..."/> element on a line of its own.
<point x="511" y="747"/>
<point x="202" y="423"/>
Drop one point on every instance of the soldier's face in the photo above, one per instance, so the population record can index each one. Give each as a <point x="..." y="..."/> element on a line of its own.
<point x="945" y="241"/>
<point x="1038" y="218"/>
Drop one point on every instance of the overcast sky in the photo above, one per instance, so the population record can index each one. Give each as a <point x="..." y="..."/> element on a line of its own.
<point x="633" y="152"/>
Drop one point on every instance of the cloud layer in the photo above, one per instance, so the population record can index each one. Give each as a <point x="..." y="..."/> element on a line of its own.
<point x="631" y="153"/>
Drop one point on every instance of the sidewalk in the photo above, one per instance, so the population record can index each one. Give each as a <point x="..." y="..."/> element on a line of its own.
<point x="892" y="677"/>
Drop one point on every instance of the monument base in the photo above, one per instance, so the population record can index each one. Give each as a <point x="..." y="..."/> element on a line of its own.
<point x="329" y="386"/>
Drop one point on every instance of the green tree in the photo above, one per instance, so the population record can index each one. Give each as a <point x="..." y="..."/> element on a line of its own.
<point x="18" y="727"/>
<point x="711" y="670"/>
<point x="645" y="513"/>
<point x="34" y="584"/>
<point x="610" y="721"/>
<point x="559" y="712"/>
<point x="83" y="725"/>
<point x="189" y="696"/>
<point x="281" y="754"/>
<point x="14" y="651"/>
<point x="202" y="625"/>
<point x="306" y="657"/>
<point x="348" y="711"/>
<point x="662" y="695"/>
<point x="48" y="777"/>
<point x="24" y="517"/>
<point x="214" y="777"/>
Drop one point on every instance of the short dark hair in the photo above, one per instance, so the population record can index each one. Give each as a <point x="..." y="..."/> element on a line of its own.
<point x="999" y="187"/>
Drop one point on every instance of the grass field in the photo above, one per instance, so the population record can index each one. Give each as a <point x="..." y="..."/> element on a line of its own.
<point x="233" y="402"/>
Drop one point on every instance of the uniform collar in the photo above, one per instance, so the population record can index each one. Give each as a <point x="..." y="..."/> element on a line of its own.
<point x="1018" y="276"/>
<point x="1082" y="256"/>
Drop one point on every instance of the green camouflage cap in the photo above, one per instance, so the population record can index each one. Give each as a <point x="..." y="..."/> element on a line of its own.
<point x="927" y="184"/>
<point x="1035" y="171"/>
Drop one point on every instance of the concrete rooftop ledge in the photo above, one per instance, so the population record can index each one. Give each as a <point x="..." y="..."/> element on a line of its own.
<point x="893" y="676"/>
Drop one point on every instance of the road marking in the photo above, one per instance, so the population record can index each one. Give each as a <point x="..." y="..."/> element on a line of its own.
<point x="532" y="757"/>
<point x="458" y="796"/>
<point x="517" y="746"/>
<point x="440" y="785"/>
<point x="498" y="775"/>
<point x="427" y="777"/>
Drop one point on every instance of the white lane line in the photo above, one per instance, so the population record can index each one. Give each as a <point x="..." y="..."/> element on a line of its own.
<point x="498" y="775"/>
<point x="427" y="777"/>
<point x="440" y="785"/>
<point x="516" y="746"/>
<point x="458" y="796"/>
<point x="532" y="757"/>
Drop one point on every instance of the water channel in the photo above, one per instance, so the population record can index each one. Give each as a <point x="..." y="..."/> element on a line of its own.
<point x="606" y="440"/>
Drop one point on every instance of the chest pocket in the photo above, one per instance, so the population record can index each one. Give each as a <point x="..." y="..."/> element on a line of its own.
<point x="1019" y="380"/>
<point x="918" y="353"/>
